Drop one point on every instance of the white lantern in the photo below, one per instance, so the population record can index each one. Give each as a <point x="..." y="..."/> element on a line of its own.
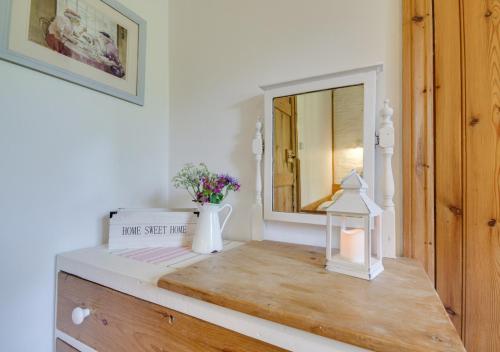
<point x="359" y="221"/>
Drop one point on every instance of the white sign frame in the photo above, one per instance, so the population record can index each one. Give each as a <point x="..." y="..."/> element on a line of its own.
<point x="141" y="229"/>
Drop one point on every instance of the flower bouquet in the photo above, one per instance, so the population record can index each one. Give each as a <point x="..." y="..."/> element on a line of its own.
<point x="208" y="190"/>
<point x="204" y="186"/>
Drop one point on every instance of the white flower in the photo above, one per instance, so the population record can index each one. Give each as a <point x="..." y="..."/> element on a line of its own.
<point x="190" y="177"/>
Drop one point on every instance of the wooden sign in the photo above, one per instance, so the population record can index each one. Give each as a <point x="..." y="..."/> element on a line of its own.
<point x="150" y="228"/>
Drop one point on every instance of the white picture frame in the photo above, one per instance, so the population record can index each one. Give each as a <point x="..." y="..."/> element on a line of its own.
<point x="49" y="67"/>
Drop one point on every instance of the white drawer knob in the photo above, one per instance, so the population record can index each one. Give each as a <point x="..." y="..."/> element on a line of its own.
<point x="79" y="314"/>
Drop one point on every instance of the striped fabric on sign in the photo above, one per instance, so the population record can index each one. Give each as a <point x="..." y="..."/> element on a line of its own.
<point x="155" y="255"/>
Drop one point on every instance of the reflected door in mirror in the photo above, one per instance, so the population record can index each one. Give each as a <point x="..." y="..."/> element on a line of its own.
<point x="285" y="168"/>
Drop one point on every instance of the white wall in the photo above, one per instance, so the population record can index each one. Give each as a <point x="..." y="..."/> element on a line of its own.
<point x="222" y="50"/>
<point x="68" y="155"/>
<point x="314" y="133"/>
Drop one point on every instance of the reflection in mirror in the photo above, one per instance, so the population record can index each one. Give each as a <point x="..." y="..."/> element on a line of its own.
<point x="317" y="140"/>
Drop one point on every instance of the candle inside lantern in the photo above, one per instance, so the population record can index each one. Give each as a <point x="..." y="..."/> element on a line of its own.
<point x="352" y="244"/>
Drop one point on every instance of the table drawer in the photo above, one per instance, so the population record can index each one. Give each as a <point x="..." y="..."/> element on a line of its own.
<point x="62" y="346"/>
<point x="120" y="322"/>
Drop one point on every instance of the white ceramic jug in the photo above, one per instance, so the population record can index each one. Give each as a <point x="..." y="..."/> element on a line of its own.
<point x="208" y="235"/>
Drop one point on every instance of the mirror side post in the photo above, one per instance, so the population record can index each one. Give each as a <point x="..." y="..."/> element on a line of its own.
<point x="257" y="220"/>
<point x="386" y="143"/>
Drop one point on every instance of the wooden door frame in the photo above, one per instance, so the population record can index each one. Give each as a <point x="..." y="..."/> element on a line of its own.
<point x="451" y="104"/>
<point x="450" y="157"/>
<point x="432" y="146"/>
<point x="418" y="133"/>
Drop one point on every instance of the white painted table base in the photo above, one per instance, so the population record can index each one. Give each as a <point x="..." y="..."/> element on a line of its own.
<point x="139" y="279"/>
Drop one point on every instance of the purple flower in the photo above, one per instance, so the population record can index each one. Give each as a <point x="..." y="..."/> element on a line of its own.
<point x="229" y="180"/>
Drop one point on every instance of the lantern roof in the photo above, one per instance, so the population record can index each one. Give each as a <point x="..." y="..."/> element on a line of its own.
<point x="354" y="199"/>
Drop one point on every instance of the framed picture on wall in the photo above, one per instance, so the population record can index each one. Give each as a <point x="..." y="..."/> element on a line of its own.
<point x="98" y="44"/>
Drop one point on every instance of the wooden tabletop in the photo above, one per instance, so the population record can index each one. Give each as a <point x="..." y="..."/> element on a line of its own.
<point x="287" y="284"/>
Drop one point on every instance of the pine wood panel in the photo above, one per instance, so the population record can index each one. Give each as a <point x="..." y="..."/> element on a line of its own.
<point x="448" y="154"/>
<point x="418" y="121"/>
<point x="62" y="346"/>
<point x="287" y="284"/>
<point x="482" y="136"/>
<point x="119" y="322"/>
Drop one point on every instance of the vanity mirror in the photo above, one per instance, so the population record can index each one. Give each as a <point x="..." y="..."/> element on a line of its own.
<point x="316" y="131"/>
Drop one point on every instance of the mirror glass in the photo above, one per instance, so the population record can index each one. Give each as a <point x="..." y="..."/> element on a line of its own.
<point x="317" y="140"/>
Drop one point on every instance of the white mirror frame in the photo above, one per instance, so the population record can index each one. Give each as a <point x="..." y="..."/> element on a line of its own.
<point x="366" y="76"/>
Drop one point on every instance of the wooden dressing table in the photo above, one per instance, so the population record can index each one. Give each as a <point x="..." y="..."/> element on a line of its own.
<point x="259" y="296"/>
